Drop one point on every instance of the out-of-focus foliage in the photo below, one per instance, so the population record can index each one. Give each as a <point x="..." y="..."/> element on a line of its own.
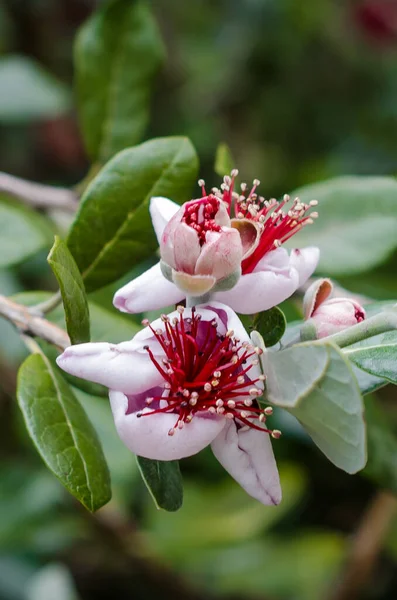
<point x="290" y="92"/>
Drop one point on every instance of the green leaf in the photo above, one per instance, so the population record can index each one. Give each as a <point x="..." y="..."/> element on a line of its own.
<point x="164" y="482"/>
<point x="23" y="232"/>
<point x="118" y="51"/>
<point x="356" y="229"/>
<point x="113" y="230"/>
<point x="376" y="355"/>
<point x="62" y="433"/>
<point x="74" y="298"/>
<point x="224" y="162"/>
<point x="28" y="92"/>
<point x="271" y="325"/>
<point x="382" y="446"/>
<point x="315" y="383"/>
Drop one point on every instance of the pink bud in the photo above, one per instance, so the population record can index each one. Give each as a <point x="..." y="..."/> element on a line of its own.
<point x="330" y="315"/>
<point x="200" y="245"/>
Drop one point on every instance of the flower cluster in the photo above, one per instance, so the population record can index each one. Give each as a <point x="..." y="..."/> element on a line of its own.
<point x="192" y="378"/>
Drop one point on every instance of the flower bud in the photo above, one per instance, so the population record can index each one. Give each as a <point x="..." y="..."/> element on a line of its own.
<point x="200" y="247"/>
<point x="326" y="316"/>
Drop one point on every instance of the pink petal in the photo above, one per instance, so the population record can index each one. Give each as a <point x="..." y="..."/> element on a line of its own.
<point x="247" y="455"/>
<point x="221" y="254"/>
<point x="186" y="249"/>
<point x="117" y="366"/>
<point x="149" y="291"/>
<point x="148" y="436"/>
<point x="305" y="261"/>
<point x="161" y="210"/>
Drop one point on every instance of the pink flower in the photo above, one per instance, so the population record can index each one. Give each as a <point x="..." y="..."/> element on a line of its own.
<point x="269" y="273"/>
<point x="329" y="315"/>
<point x="188" y="380"/>
<point x="199" y="247"/>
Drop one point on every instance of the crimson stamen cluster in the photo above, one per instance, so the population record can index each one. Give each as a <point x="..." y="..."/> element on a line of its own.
<point x="206" y="371"/>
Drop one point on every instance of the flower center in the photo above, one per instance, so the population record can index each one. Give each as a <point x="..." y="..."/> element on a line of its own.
<point x="277" y="221"/>
<point x="200" y="216"/>
<point x="206" y="371"/>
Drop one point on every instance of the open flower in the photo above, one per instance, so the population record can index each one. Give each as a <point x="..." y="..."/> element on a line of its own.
<point x="188" y="380"/>
<point x="324" y="315"/>
<point x="269" y="273"/>
<point x="199" y="247"/>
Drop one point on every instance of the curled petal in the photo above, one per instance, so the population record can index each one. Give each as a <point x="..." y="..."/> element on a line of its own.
<point x="161" y="210"/>
<point x="249" y="234"/>
<point x="247" y="455"/>
<point x="185" y="248"/>
<point x="117" y="366"/>
<point x="221" y="254"/>
<point x="305" y="261"/>
<point x="315" y="295"/>
<point x="149" y="291"/>
<point x="148" y="436"/>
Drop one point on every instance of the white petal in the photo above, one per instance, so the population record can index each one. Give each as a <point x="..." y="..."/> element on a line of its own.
<point x="247" y="455"/>
<point x="149" y="291"/>
<point x="148" y="436"/>
<point x="161" y="210"/>
<point x="259" y="291"/>
<point x="305" y="261"/>
<point x="117" y="366"/>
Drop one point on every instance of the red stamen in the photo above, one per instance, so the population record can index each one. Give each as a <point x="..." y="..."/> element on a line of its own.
<point x="276" y="224"/>
<point x="200" y="215"/>
<point x="205" y="371"/>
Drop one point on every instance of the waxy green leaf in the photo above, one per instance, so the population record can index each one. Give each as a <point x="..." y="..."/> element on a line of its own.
<point x="164" y="482"/>
<point x="23" y="232"/>
<point x="74" y="298"/>
<point x="379" y="359"/>
<point x="118" y="51"/>
<point x="271" y="325"/>
<point x="356" y="229"/>
<point x="113" y="231"/>
<point x="315" y="383"/>
<point x="62" y="433"/>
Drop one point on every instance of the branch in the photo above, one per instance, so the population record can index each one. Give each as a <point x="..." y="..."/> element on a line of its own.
<point x="33" y="325"/>
<point x="38" y="195"/>
<point x="366" y="545"/>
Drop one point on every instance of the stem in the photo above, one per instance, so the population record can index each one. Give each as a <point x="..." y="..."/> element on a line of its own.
<point x="29" y="324"/>
<point x="384" y="321"/>
<point x="365" y="548"/>
<point x="38" y="195"/>
<point x="47" y="305"/>
<point x="195" y="300"/>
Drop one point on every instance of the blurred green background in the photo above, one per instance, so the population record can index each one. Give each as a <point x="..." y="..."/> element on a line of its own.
<point x="300" y="90"/>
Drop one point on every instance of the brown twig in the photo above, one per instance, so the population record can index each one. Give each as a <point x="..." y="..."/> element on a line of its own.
<point x="366" y="545"/>
<point x="38" y="195"/>
<point x="30" y="324"/>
